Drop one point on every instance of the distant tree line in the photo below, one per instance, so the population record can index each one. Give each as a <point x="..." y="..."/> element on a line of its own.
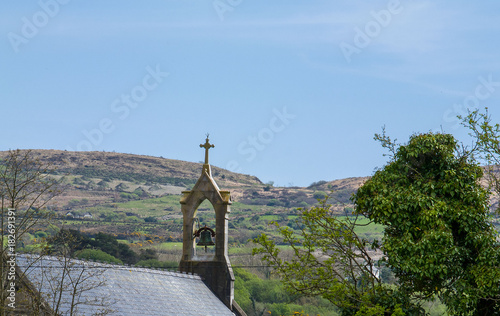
<point x="103" y="247"/>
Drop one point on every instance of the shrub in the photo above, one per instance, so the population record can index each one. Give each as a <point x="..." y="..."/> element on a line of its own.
<point x="151" y="219"/>
<point x="148" y="254"/>
<point x="97" y="255"/>
<point x="319" y="195"/>
<point x="121" y="187"/>
<point x="317" y="184"/>
<point x="273" y="202"/>
<point x="41" y="234"/>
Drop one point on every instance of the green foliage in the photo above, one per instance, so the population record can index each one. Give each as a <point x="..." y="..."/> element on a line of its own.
<point x="317" y="184"/>
<point x="75" y="202"/>
<point x="277" y="309"/>
<point x="129" y="196"/>
<point x="151" y="219"/>
<point x="274" y="202"/>
<point x="148" y="254"/>
<point x="319" y="195"/>
<point x="332" y="261"/>
<point x="41" y="234"/>
<point x="303" y="204"/>
<point x="96" y="255"/>
<point x="67" y="241"/>
<point x="121" y="187"/>
<point x="255" y="218"/>
<point x="72" y="241"/>
<point x="133" y="219"/>
<point x="438" y="239"/>
<point x="110" y="245"/>
<point x="242" y="295"/>
<point x="103" y="184"/>
<point x="141" y="192"/>
<point x="78" y="180"/>
<point x="269" y="297"/>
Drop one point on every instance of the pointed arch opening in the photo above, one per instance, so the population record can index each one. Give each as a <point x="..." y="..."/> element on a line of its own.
<point x="205" y="216"/>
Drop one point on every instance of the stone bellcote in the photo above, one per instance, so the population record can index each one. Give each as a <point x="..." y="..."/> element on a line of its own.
<point x="214" y="268"/>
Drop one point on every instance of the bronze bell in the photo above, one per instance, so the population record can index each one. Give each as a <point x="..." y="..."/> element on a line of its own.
<point x="205" y="239"/>
<point x="205" y="235"/>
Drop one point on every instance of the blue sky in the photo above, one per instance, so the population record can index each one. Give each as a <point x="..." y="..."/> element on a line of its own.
<point x="290" y="91"/>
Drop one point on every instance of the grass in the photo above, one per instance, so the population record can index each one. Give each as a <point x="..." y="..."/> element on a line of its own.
<point x="269" y="217"/>
<point x="238" y="207"/>
<point x="166" y="246"/>
<point x="370" y="228"/>
<point x="151" y="207"/>
<point x="235" y="250"/>
<point x="165" y="205"/>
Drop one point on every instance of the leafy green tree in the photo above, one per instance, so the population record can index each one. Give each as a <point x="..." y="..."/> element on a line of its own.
<point x="110" y="245"/>
<point x="73" y="241"/>
<point x="241" y="294"/>
<point x="148" y="254"/>
<point x="438" y="238"/>
<point x="332" y="261"/>
<point x="278" y="309"/>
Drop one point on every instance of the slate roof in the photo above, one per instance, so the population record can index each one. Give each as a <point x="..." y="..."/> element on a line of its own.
<point x="126" y="290"/>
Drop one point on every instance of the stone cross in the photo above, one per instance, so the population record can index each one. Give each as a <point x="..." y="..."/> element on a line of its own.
<point x="207" y="146"/>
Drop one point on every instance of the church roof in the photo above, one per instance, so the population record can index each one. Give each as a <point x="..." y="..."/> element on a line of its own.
<point x="125" y="291"/>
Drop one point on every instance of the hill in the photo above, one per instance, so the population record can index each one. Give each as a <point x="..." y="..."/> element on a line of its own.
<point x="106" y="188"/>
<point x="99" y="181"/>
<point x="125" y="193"/>
<point x="98" y="176"/>
<point x="106" y="177"/>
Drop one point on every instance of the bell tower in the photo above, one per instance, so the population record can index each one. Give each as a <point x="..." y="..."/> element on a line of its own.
<point x="214" y="268"/>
